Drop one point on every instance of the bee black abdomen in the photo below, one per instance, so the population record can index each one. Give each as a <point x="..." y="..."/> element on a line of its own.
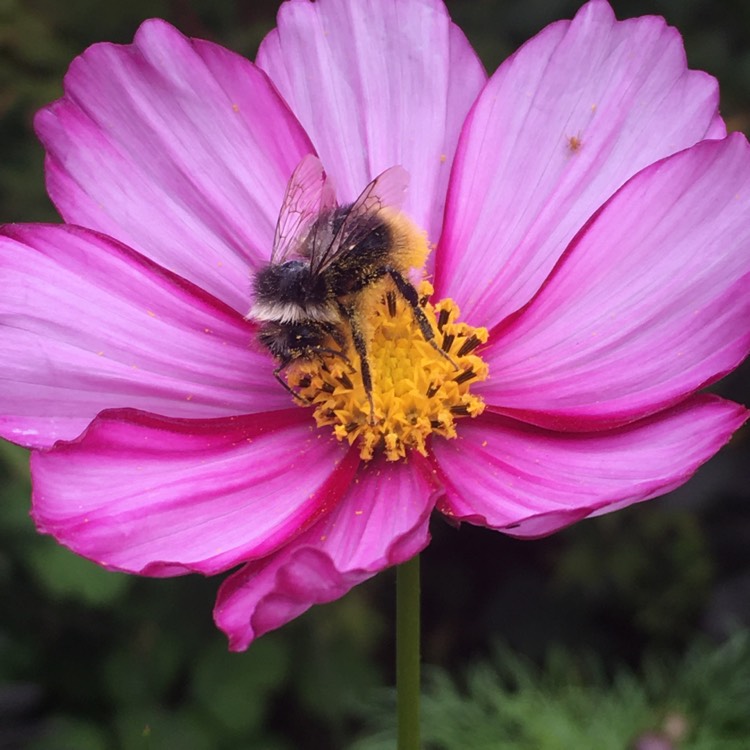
<point x="288" y="341"/>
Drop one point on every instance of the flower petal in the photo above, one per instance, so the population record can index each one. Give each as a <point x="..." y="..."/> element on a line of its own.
<point x="177" y="147"/>
<point x="561" y="125"/>
<point x="530" y="482"/>
<point x="650" y="303"/>
<point x="88" y="324"/>
<point x="382" y="521"/>
<point x="377" y="83"/>
<point x="158" y="496"/>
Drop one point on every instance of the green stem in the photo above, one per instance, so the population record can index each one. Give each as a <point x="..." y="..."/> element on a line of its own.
<point x="407" y="654"/>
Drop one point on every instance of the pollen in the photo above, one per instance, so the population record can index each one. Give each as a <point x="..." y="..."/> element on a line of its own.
<point x="419" y="388"/>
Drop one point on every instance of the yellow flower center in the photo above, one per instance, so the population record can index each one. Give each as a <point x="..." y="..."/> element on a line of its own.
<point x="416" y="391"/>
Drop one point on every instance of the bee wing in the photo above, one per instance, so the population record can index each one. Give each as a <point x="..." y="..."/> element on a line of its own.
<point x="386" y="191"/>
<point x="308" y="193"/>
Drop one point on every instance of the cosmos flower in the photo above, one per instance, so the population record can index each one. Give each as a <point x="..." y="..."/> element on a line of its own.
<point x="586" y="208"/>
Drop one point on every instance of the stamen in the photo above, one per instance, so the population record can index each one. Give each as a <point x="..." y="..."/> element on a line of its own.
<point x="345" y="380"/>
<point x="417" y="389"/>
<point x="465" y="376"/>
<point x="471" y="343"/>
<point x="391" y="300"/>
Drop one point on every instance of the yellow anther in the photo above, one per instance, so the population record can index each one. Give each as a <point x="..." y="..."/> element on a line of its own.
<point x="416" y="391"/>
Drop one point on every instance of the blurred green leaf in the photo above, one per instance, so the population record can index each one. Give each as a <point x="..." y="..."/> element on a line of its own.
<point x="235" y="688"/>
<point x="160" y="729"/>
<point x="15" y="459"/>
<point x="67" y="576"/>
<point x="650" y="561"/>
<point x="65" y="733"/>
<point x="14" y="509"/>
<point x="144" y="668"/>
<point x="698" y="703"/>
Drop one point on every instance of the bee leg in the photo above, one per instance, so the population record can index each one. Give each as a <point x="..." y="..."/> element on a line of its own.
<point x="409" y="293"/>
<point x="277" y="374"/>
<point x="324" y="352"/>
<point x="360" y="345"/>
<point x="340" y="339"/>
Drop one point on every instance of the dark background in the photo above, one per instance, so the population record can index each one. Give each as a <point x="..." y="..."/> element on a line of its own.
<point x="91" y="660"/>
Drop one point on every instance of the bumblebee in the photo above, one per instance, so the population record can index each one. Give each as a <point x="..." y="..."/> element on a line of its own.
<point x="308" y="297"/>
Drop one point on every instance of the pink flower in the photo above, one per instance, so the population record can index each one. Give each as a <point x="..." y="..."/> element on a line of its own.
<point x="587" y="207"/>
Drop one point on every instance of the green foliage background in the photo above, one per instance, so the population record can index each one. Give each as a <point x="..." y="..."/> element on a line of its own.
<point x="610" y="630"/>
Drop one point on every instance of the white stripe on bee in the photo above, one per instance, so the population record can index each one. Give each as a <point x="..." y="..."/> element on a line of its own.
<point x="289" y="312"/>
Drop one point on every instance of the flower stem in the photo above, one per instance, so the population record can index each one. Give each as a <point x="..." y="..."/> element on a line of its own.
<point x="407" y="654"/>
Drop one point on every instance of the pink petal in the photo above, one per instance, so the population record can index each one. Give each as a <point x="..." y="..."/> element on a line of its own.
<point x="377" y="83"/>
<point x="529" y="482"/>
<point x="381" y="521"/>
<point x="179" y="148"/>
<point x="158" y="496"/>
<point x="522" y="189"/>
<point x="88" y="324"/>
<point x="651" y="303"/>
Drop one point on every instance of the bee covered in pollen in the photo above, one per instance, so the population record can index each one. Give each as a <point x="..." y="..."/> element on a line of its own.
<point x="308" y="298"/>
